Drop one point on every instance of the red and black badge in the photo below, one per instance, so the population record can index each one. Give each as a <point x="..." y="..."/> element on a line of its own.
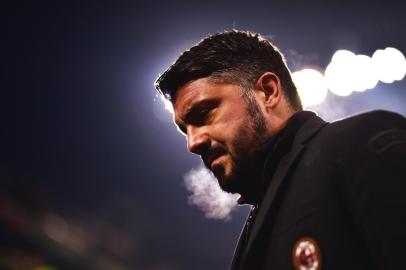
<point x="306" y="254"/>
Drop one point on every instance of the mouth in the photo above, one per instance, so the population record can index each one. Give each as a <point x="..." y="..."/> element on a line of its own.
<point x="215" y="163"/>
<point x="212" y="158"/>
<point x="212" y="161"/>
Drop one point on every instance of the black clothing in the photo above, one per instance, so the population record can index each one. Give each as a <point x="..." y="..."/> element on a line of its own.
<point x="342" y="184"/>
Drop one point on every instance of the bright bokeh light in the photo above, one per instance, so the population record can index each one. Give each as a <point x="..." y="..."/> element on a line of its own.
<point x="365" y="73"/>
<point x="348" y="72"/>
<point x="390" y="63"/>
<point x="342" y="56"/>
<point x="311" y="86"/>
<point x="339" y="73"/>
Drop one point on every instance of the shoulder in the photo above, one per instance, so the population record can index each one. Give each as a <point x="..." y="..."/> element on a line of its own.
<point x="366" y="124"/>
<point x="376" y="118"/>
<point x="359" y="134"/>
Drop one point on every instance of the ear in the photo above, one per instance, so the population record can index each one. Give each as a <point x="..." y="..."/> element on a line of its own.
<point x="269" y="88"/>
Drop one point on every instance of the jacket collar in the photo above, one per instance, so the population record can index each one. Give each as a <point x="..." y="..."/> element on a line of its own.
<point x="277" y="175"/>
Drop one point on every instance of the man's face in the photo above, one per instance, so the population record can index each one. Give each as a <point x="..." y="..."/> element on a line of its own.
<point x="224" y="127"/>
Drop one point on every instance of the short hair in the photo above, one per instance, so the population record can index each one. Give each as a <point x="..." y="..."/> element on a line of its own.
<point x="237" y="57"/>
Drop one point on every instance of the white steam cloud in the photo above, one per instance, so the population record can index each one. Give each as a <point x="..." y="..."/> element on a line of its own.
<point x="206" y="193"/>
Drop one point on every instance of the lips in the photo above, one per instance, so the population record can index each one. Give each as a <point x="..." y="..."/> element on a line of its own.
<point x="213" y="164"/>
<point x="212" y="156"/>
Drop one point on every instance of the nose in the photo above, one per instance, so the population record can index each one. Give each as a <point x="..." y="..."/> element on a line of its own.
<point x="198" y="140"/>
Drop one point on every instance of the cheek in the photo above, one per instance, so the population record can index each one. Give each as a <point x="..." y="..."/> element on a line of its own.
<point x="242" y="142"/>
<point x="234" y="130"/>
<point x="233" y="133"/>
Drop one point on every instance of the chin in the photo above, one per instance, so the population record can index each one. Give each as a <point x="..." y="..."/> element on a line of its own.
<point x="227" y="178"/>
<point x="228" y="183"/>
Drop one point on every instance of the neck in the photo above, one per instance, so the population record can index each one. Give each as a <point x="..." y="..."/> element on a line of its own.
<point x="268" y="158"/>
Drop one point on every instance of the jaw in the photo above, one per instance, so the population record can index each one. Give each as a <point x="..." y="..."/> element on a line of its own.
<point x="242" y="176"/>
<point x="223" y="169"/>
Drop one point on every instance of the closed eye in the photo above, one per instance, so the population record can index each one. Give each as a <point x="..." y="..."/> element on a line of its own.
<point x="201" y="112"/>
<point x="197" y="115"/>
<point x="200" y="118"/>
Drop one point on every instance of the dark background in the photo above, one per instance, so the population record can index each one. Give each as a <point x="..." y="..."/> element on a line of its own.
<point x="91" y="166"/>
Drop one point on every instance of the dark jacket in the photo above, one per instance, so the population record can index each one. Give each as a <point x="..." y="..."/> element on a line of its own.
<point x="341" y="184"/>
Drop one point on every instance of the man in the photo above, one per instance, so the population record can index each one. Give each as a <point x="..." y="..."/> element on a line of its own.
<point x="324" y="195"/>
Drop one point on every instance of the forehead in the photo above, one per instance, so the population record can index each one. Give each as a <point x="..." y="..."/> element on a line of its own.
<point x="200" y="90"/>
<point x="204" y="88"/>
<point x="194" y="90"/>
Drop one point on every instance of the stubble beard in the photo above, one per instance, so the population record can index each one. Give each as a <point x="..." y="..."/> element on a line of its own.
<point x="246" y="162"/>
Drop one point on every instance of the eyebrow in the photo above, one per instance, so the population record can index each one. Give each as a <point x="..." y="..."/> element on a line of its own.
<point x="202" y="104"/>
<point x="194" y="108"/>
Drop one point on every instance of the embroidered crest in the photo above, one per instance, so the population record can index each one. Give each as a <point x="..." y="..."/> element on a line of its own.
<point x="385" y="139"/>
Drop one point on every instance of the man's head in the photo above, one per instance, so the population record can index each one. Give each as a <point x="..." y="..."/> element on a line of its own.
<point x="231" y="93"/>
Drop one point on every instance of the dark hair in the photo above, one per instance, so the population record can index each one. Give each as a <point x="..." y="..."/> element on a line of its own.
<point x="234" y="56"/>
